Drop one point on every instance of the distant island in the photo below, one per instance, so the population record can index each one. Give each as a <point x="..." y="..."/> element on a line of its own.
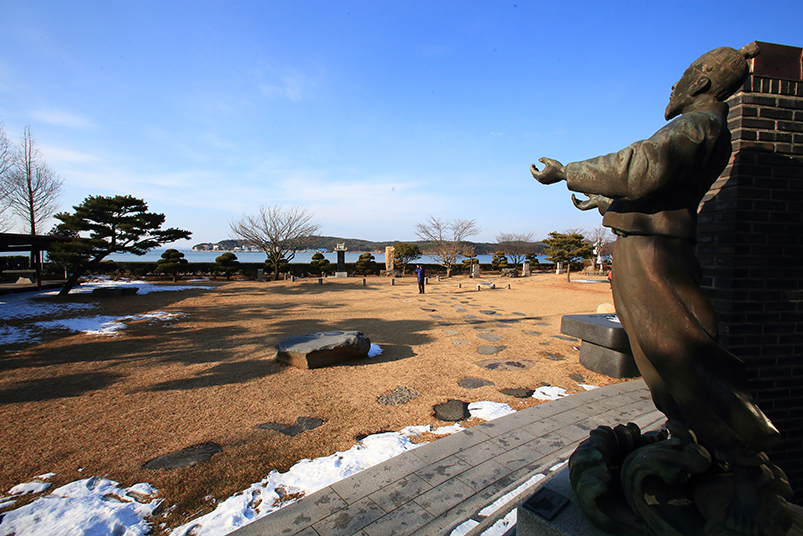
<point x="328" y="243"/>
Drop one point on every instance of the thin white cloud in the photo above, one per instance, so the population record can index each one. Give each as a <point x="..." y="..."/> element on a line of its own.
<point x="294" y="86"/>
<point x="57" y="155"/>
<point x="62" y="118"/>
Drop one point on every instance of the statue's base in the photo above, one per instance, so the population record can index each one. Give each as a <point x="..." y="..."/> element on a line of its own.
<point x="572" y="520"/>
<point x="341" y="274"/>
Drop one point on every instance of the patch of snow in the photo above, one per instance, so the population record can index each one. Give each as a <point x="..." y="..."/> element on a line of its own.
<point x="5" y="503"/>
<point x="92" y="325"/>
<point x="12" y="335"/>
<point x="464" y="528"/>
<point x="29" y="487"/>
<point x="503" y="500"/>
<point x="501" y="527"/>
<point x="558" y="465"/>
<point x="588" y="387"/>
<point x="549" y="393"/>
<point x="92" y="506"/>
<point x="613" y="318"/>
<point x="304" y="478"/>
<point x="24" y="305"/>
<point x="374" y="351"/>
<point x="489" y="410"/>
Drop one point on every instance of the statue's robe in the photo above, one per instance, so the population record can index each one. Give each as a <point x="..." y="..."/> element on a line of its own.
<point x="656" y="186"/>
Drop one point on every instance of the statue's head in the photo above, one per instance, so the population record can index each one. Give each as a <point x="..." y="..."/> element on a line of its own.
<point x="717" y="75"/>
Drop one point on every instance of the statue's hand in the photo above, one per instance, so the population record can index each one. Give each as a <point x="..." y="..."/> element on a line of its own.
<point x="594" y="201"/>
<point x="553" y="171"/>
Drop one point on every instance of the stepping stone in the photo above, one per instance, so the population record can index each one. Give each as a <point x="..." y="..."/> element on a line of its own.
<point x="471" y="316"/>
<point x="510" y="320"/>
<point x="518" y="314"/>
<point x="564" y="338"/>
<point x="444" y="323"/>
<point x="541" y="324"/>
<point x="302" y="424"/>
<point x="503" y="364"/>
<point x="490" y="350"/>
<point x="544" y="343"/>
<point x="487" y="312"/>
<point x="322" y="349"/>
<point x="533" y="333"/>
<point x="400" y="395"/>
<point x="453" y="410"/>
<point x="490" y="337"/>
<point x="451" y="332"/>
<point x="459" y="342"/>
<point x="473" y="383"/>
<point x="428" y="310"/>
<point x="577" y="377"/>
<point x="504" y="326"/>
<point x="518" y="393"/>
<point x="186" y="457"/>
<point x="435" y="316"/>
<point x="555" y="357"/>
<point x="461" y="310"/>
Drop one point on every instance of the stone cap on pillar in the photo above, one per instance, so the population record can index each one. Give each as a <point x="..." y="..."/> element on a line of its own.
<point x="340" y="247"/>
<point x="778" y="61"/>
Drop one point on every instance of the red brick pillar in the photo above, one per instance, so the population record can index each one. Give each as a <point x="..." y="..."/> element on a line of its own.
<point x="750" y="244"/>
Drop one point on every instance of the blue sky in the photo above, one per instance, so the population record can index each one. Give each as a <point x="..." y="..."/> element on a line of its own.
<point x="371" y="114"/>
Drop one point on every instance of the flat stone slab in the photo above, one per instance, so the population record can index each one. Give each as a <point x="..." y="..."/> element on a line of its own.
<point x="302" y="424"/>
<point x="487" y="312"/>
<point x="490" y="337"/>
<point x="597" y="329"/>
<point x="115" y="291"/>
<point x="400" y="395"/>
<point x="490" y="350"/>
<point x="186" y="457"/>
<point x="451" y="332"/>
<point x="322" y="349"/>
<point x="452" y="410"/>
<point x="532" y="333"/>
<point x="506" y="364"/>
<point x="473" y="383"/>
<point x="613" y="363"/>
<point x="459" y="342"/>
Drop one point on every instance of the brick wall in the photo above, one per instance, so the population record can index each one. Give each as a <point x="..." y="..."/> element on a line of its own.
<point x="750" y="244"/>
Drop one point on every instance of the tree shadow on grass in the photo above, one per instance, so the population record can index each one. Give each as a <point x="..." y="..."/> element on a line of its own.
<point x="67" y="386"/>
<point x="221" y="374"/>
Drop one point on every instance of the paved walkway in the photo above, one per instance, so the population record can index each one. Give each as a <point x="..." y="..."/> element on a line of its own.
<point x="461" y="479"/>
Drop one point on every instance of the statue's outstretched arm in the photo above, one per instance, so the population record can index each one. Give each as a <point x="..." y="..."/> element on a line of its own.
<point x="553" y="171"/>
<point x="594" y="201"/>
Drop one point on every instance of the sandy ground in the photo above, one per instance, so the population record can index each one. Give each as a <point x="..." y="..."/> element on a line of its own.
<point x="81" y="405"/>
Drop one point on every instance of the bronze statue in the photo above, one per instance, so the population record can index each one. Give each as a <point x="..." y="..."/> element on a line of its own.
<point x="648" y="194"/>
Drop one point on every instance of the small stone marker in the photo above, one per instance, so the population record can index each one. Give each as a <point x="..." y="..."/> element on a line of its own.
<point x="453" y="410"/>
<point x="186" y="457"/>
<point x="302" y="424"/>
<point x="473" y="383"/>
<point x="392" y="282"/>
<point x="400" y="395"/>
<point x="320" y="280"/>
<point x="322" y="349"/>
<point x="363" y="281"/>
<point x="260" y="275"/>
<point x="490" y="350"/>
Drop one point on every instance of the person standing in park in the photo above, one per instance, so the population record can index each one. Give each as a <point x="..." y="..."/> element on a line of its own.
<point x="648" y="194"/>
<point x="421" y="273"/>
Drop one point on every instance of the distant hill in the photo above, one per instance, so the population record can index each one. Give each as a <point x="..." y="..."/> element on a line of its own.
<point x="356" y="244"/>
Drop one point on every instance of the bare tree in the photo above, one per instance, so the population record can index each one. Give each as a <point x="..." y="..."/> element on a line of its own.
<point x="276" y="230"/>
<point x="6" y="154"/>
<point x="446" y="239"/>
<point x="516" y="245"/>
<point x="31" y="188"/>
<point x="601" y="238"/>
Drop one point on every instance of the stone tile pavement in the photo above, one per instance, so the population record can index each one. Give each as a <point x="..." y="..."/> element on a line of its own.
<point x="457" y="480"/>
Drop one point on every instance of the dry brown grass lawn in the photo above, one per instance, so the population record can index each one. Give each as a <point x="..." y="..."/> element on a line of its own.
<point x="82" y="405"/>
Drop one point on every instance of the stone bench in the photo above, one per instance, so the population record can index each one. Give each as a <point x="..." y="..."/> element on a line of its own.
<point x="605" y="348"/>
<point x="115" y="291"/>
